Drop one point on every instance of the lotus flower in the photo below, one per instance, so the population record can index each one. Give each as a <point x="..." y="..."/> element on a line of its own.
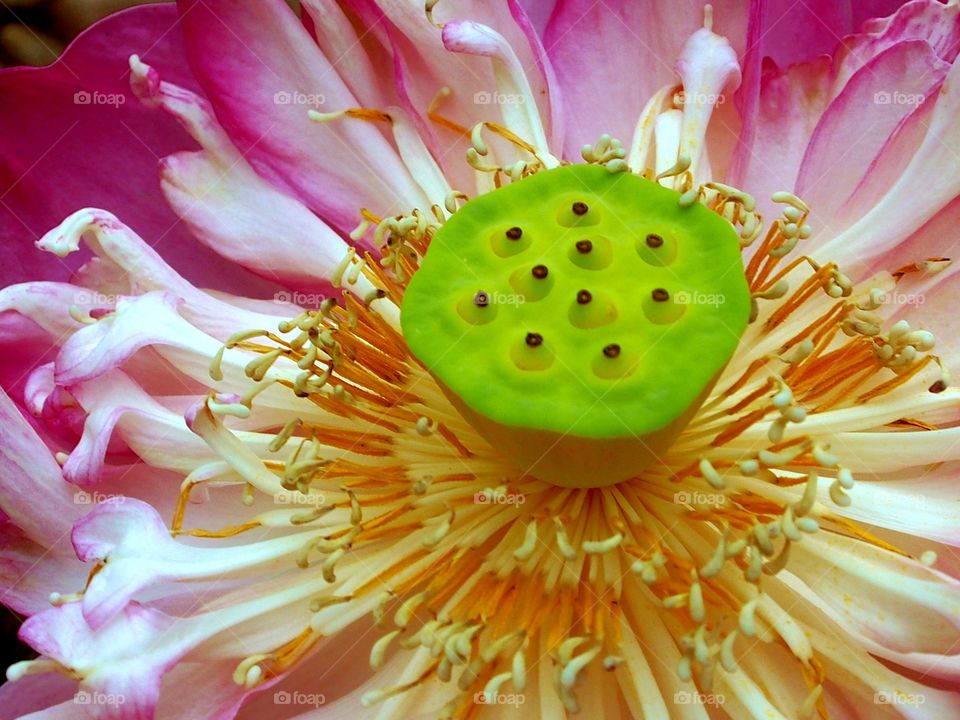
<point x="660" y="426"/>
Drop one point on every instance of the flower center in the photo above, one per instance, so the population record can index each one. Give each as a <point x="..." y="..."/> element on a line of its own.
<point x="578" y="318"/>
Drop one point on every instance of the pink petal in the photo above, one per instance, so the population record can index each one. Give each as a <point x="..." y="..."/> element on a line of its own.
<point x="855" y="127"/>
<point x="115" y="243"/>
<point x="632" y="45"/>
<point x="422" y="65"/>
<point x="228" y="206"/>
<point x="798" y="31"/>
<point x="156" y="434"/>
<point x="789" y="106"/>
<point x="35" y="693"/>
<point x="109" y="342"/>
<point x="71" y="153"/>
<point x="520" y="116"/>
<point x="202" y="689"/>
<point x="336" y="33"/>
<point x="891" y="219"/>
<point x="32" y="491"/>
<point x="255" y="62"/>
<point x="115" y="661"/>
<point x="29" y="572"/>
<point x="930" y="21"/>
<point x="782" y="108"/>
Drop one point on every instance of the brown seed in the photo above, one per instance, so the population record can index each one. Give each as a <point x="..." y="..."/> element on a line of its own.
<point x="612" y="350"/>
<point x="579" y="208"/>
<point x="584" y="246"/>
<point x="660" y="295"/>
<point x="583" y="297"/>
<point x="540" y="271"/>
<point x="534" y="339"/>
<point x="514" y="233"/>
<point x="654" y="240"/>
<point x="481" y="299"/>
<point x="938" y="387"/>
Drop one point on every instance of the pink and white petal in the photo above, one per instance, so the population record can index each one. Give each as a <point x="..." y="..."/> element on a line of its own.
<point x="228" y="206"/>
<point x="894" y="606"/>
<point x="788" y="109"/>
<point x="634" y="43"/>
<point x="520" y="114"/>
<point x="336" y="35"/>
<point x="934" y="23"/>
<point x="156" y="434"/>
<point x="115" y="242"/>
<point x="856" y="126"/>
<point x="922" y="504"/>
<point x="36" y="694"/>
<point x="255" y="63"/>
<point x="134" y="546"/>
<point x="889" y="164"/>
<point x="922" y="20"/>
<point x="109" y="342"/>
<point x="116" y="660"/>
<point x="422" y="66"/>
<point x="796" y="32"/>
<point x="856" y="678"/>
<point x="202" y="690"/>
<point x="29" y="572"/>
<point x="892" y="219"/>
<point x="709" y="71"/>
<point x="60" y="112"/>
<point x="48" y="305"/>
<point x="32" y="491"/>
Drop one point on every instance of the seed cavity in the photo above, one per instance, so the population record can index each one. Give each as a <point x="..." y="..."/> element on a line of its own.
<point x="612" y="351"/>
<point x="592" y="310"/>
<point x="594" y="252"/>
<point x="654" y="241"/>
<point x="534" y="339"/>
<point x="660" y="295"/>
<point x="481" y="299"/>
